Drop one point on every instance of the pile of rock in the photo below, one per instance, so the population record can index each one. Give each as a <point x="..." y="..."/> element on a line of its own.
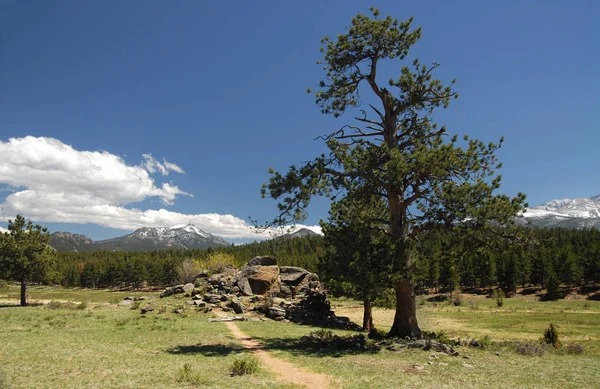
<point x="279" y="292"/>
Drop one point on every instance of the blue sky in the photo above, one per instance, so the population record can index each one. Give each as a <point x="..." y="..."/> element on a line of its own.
<point x="218" y="90"/>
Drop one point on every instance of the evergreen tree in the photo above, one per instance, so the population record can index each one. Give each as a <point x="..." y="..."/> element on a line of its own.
<point x="24" y="253"/>
<point x="395" y="151"/>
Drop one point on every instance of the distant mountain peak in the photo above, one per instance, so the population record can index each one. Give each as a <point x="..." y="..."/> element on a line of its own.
<point x="578" y="212"/>
<point x="301" y="233"/>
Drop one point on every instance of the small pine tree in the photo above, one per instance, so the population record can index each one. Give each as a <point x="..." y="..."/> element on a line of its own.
<point x="551" y="336"/>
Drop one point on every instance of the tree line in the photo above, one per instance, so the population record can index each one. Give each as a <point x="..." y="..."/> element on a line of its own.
<point x="572" y="257"/>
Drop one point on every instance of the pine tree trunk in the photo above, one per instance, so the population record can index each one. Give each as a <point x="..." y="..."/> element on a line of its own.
<point x="368" y="316"/>
<point x="405" y="320"/>
<point x="23" y="293"/>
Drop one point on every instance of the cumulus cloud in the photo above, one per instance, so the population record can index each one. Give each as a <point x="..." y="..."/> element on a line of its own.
<point x="3" y="230"/>
<point x="53" y="182"/>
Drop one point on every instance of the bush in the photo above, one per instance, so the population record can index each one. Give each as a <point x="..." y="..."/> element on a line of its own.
<point x="441" y="336"/>
<point x="82" y="306"/>
<point x="218" y="262"/>
<point x="456" y="299"/>
<point x="551" y="336"/>
<point x="186" y="375"/>
<point x="244" y="365"/>
<point x="3" y="286"/>
<point x="187" y="271"/>
<point x="531" y="349"/>
<point x="574" y="349"/>
<point x="136" y="305"/>
<point x="484" y="342"/>
<point x="498" y="295"/>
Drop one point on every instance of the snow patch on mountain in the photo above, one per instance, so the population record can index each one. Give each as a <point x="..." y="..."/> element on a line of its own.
<point x="569" y="213"/>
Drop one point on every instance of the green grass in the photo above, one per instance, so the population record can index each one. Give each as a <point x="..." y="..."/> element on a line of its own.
<point x="107" y="346"/>
<point x="499" y="366"/>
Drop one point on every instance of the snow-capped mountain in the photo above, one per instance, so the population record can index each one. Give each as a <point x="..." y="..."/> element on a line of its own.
<point x="184" y="236"/>
<point x="301" y="233"/>
<point x="567" y="213"/>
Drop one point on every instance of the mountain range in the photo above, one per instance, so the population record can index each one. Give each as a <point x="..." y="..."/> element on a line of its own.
<point x="563" y="213"/>
<point x="183" y="236"/>
<point x="566" y="213"/>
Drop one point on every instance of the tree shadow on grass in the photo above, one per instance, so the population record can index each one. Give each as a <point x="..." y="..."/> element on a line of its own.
<point x="296" y="347"/>
<point x="17" y="305"/>
<point x="208" y="350"/>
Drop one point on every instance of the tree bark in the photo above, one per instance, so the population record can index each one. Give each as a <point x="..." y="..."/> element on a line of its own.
<point x="368" y="316"/>
<point x="405" y="319"/>
<point x="23" y="293"/>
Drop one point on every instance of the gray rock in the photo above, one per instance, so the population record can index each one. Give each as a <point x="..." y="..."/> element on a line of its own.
<point x="146" y="309"/>
<point x="212" y="298"/>
<point x="200" y="304"/>
<point x="275" y="312"/>
<point x="263" y="261"/>
<point x="237" y="306"/>
<point x="244" y="285"/>
<point x="190" y="302"/>
<point x="179" y="311"/>
<point x="215" y="279"/>
<point x="188" y="288"/>
<point x="126" y="303"/>
<point x="292" y="275"/>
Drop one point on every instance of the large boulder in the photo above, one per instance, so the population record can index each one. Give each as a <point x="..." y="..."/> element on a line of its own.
<point x="292" y="275"/>
<point x="257" y="279"/>
<point x="238" y="306"/>
<point x="266" y="260"/>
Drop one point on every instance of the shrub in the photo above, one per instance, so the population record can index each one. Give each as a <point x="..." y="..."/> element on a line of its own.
<point x="484" y="342"/>
<point x="3" y="286"/>
<point x="54" y="305"/>
<point x="456" y="299"/>
<point x="136" y="305"/>
<point x="186" y="375"/>
<point x="218" y="262"/>
<point x="187" y="271"/>
<point x="551" y="336"/>
<point x="574" y="349"/>
<point x="498" y="295"/>
<point x="441" y="336"/>
<point x="81" y="306"/>
<point x="531" y="349"/>
<point x="244" y="365"/>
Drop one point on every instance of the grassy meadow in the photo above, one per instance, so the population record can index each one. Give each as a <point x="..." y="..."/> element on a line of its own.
<point x="103" y="345"/>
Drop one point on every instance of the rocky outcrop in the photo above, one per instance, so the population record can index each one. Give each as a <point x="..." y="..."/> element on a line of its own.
<point x="285" y="293"/>
<point x="257" y="279"/>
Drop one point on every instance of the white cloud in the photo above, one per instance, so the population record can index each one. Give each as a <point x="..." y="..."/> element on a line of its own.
<point x="55" y="183"/>
<point x="3" y="230"/>
<point x="152" y="165"/>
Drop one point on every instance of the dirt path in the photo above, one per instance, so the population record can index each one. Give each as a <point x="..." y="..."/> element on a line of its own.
<point x="285" y="371"/>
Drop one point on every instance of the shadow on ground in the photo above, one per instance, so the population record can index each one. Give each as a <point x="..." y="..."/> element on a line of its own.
<point x="17" y="305"/>
<point x="296" y="347"/>
<point x="208" y="350"/>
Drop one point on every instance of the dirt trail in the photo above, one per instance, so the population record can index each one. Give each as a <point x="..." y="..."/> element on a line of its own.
<point x="285" y="371"/>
